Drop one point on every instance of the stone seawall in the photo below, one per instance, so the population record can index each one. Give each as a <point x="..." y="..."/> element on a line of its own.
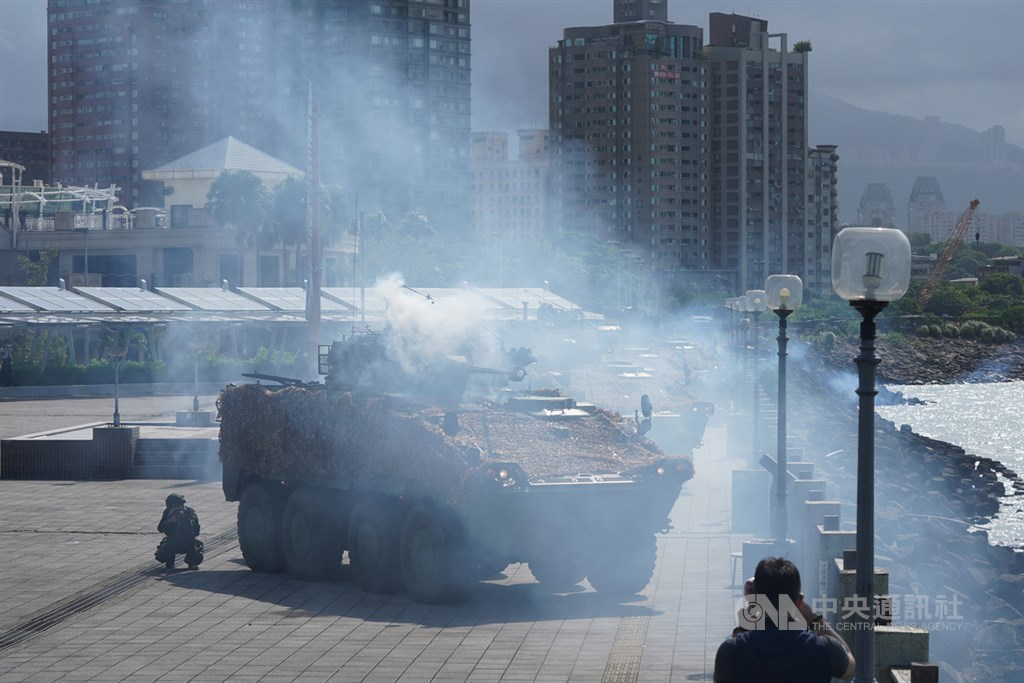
<point x="925" y="360"/>
<point x="929" y="497"/>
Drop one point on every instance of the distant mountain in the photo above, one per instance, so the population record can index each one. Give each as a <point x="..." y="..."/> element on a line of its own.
<point x="880" y="147"/>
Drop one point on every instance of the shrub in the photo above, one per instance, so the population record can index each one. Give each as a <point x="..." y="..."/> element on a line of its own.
<point x="971" y="329"/>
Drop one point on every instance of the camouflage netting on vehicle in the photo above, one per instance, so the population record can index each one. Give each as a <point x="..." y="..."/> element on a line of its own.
<point x="319" y="434"/>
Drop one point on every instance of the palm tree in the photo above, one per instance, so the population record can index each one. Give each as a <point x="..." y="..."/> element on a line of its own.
<point x="335" y="219"/>
<point x="240" y="199"/>
<point x="287" y="218"/>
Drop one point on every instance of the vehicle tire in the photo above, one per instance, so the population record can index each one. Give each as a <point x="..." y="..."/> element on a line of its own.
<point x="260" y="511"/>
<point x="373" y="534"/>
<point x="557" y="573"/>
<point x="428" y="551"/>
<point x="625" y="569"/>
<point x="312" y="546"/>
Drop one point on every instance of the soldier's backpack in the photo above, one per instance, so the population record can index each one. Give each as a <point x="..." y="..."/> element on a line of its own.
<point x="183" y="525"/>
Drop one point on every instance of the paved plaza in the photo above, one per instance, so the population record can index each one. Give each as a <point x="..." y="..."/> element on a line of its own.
<point x="82" y="599"/>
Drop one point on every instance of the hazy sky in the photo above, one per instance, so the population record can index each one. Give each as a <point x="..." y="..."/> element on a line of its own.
<point x="962" y="61"/>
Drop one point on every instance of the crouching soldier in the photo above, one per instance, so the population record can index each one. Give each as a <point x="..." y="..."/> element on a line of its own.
<point x="180" y="526"/>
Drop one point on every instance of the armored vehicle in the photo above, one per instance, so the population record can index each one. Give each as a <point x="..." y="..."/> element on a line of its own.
<point x="426" y="474"/>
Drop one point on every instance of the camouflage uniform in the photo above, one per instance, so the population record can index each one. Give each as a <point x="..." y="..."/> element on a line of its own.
<point x="180" y="526"/>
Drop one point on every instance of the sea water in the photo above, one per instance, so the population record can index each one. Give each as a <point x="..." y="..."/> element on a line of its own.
<point x="983" y="419"/>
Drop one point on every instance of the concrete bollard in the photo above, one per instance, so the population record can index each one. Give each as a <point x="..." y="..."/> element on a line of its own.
<point x="898" y="646"/>
<point x="808" y="541"/>
<point x="848" y="589"/>
<point x="921" y="672"/>
<point x="750" y="501"/>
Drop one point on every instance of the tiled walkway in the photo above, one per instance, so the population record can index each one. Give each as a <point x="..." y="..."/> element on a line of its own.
<point x="64" y="543"/>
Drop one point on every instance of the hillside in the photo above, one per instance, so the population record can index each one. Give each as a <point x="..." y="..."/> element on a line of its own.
<point x="892" y="149"/>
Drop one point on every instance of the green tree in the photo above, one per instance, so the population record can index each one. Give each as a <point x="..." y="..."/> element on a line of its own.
<point x="968" y="262"/>
<point x="37" y="272"/>
<point x="1003" y="284"/>
<point x="600" y="275"/>
<point x="240" y="199"/>
<point x="920" y="240"/>
<point x="287" y="220"/>
<point x="335" y="218"/>
<point x="948" y="300"/>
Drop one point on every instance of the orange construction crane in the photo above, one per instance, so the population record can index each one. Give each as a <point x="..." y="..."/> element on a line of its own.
<point x="952" y="244"/>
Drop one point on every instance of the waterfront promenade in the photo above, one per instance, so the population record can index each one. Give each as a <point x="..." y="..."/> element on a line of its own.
<point x="82" y="599"/>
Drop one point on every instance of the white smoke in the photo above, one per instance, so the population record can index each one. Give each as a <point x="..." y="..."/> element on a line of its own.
<point x="422" y="326"/>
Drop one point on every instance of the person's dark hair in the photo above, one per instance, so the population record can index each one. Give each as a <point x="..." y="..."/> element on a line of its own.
<point x="775" y="576"/>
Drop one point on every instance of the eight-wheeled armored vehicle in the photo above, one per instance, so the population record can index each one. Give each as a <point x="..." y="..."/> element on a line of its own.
<point x="428" y="474"/>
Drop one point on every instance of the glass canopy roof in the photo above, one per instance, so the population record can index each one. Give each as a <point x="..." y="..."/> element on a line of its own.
<point x="105" y="305"/>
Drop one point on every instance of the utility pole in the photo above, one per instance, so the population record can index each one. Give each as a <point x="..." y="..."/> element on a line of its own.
<point x="313" y="213"/>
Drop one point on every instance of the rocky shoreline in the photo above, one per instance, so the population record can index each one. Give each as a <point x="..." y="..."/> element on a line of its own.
<point x="936" y="361"/>
<point x="930" y="496"/>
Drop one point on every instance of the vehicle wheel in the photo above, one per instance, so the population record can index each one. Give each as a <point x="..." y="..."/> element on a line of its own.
<point x="557" y="573"/>
<point x="373" y="546"/>
<point x="626" y="569"/>
<point x="260" y="511"/>
<point x="312" y="546"/>
<point x="427" y="556"/>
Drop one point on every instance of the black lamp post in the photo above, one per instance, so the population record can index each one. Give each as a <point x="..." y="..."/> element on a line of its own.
<point x="755" y="303"/>
<point x="117" y="349"/>
<point x="730" y="305"/>
<point x="785" y="294"/>
<point x="870" y="268"/>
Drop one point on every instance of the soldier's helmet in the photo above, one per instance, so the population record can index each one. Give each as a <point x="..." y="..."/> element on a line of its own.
<point x="175" y="500"/>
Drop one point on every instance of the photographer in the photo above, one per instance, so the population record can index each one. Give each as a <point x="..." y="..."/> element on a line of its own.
<point x="779" y="637"/>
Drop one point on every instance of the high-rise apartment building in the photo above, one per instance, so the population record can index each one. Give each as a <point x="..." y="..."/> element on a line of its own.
<point x="760" y="191"/>
<point x="30" y="150"/>
<point x="628" y="122"/>
<point x="876" y="207"/>
<point x="925" y="200"/>
<point x="693" y="155"/>
<point x="822" y="220"/>
<point x="392" y="79"/>
<point x="511" y="196"/>
<point x="137" y="83"/>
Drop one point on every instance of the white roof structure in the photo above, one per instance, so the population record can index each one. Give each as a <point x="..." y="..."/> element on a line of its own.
<point x="107" y="305"/>
<point x="228" y="154"/>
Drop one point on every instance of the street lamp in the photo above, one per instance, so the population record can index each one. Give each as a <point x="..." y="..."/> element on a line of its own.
<point x="754" y="302"/>
<point x="730" y="305"/>
<point x="737" y="306"/>
<point x="870" y="268"/>
<point x="732" y="285"/>
<point x="785" y="294"/>
<point x="117" y="348"/>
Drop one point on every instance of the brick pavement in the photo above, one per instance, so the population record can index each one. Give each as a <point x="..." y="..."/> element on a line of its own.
<point x="60" y="541"/>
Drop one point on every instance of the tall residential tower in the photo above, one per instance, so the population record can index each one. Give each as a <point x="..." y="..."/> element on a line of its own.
<point x="628" y="122"/>
<point x="693" y="156"/>
<point x="765" y="217"/>
<point x="137" y="83"/>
